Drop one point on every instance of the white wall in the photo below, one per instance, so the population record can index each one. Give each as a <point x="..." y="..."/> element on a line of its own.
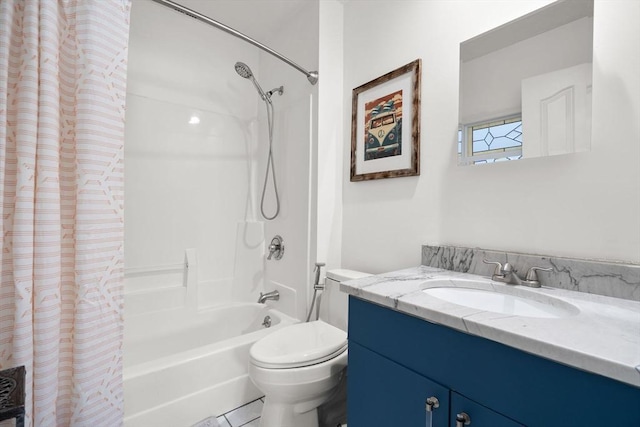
<point x="584" y="205"/>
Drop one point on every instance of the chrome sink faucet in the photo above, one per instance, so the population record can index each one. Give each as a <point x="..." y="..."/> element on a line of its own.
<point x="505" y="274"/>
<point x="273" y="295"/>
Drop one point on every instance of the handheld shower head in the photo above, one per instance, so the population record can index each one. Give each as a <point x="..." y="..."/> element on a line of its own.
<point x="243" y="70"/>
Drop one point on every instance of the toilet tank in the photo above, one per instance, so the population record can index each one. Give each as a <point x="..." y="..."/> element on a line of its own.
<point x="334" y="305"/>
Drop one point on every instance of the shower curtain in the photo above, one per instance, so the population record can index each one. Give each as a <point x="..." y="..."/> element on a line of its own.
<point x="62" y="98"/>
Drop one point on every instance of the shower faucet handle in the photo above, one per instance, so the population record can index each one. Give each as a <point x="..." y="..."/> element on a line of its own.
<point x="276" y="248"/>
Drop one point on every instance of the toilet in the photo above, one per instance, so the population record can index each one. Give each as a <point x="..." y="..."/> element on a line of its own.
<point x="299" y="367"/>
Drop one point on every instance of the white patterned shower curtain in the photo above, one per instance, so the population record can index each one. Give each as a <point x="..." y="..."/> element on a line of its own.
<point x="62" y="99"/>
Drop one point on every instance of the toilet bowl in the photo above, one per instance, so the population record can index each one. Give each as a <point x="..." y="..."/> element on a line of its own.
<point x="300" y="366"/>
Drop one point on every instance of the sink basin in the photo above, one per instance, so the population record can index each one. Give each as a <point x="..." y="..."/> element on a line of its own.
<point x="497" y="302"/>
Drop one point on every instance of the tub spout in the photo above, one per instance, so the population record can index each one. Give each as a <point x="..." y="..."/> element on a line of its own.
<point x="273" y="295"/>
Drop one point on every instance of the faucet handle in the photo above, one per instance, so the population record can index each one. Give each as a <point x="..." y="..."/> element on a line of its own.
<point x="276" y="248"/>
<point x="498" y="270"/>
<point x="532" y="276"/>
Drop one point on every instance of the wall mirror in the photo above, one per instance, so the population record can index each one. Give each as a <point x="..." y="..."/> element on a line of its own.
<point x="525" y="86"/>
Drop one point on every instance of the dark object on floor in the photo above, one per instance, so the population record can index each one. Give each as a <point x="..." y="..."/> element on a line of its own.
<point x="12" y="395"/>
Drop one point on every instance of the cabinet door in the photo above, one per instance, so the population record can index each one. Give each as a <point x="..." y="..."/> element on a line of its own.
<point x="480" y="416"/>
<point x="382" y="393"/>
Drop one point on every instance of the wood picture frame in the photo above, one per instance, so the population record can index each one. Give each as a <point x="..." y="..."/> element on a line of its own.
<point x="381" y="146"/>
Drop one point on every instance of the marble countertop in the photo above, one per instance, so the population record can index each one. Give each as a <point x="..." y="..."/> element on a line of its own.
<point x="600" y="335"/>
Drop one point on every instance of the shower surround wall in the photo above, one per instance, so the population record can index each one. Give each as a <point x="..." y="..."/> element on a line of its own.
<point x="196" y="186"/>
<point x="187" y="184"/>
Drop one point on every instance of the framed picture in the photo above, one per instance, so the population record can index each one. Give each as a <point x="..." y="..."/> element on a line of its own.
<point x="385" y="125"/>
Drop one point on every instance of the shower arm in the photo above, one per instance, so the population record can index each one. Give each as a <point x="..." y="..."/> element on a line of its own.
<point x="312" y="76"/>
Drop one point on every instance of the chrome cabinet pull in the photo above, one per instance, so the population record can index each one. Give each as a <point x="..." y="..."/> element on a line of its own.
<point x="432" y="403"/>
<point x="462" y="419"/>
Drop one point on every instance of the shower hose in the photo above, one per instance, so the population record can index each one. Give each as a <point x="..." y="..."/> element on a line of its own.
<point x="270" y="166"/>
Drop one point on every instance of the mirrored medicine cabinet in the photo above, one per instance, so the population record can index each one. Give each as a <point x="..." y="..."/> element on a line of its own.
<point x="525" y="86"/>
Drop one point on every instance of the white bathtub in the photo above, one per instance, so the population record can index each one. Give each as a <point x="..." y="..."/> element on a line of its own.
<point x="182" y="367"/>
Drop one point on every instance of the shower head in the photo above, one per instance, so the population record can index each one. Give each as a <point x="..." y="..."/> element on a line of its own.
<point x="243" y="70"/>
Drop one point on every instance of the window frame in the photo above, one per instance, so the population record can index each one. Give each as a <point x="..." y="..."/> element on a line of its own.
<point x="466" y="141"/>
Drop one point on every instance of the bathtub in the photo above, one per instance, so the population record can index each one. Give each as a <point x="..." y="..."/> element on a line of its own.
<point x="181" y="367"/>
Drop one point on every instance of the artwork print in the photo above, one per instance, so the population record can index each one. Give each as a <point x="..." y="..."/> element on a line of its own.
<point x="383" y="127"/>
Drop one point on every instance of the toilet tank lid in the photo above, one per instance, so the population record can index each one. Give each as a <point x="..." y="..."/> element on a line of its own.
<point x="341" y="275"/>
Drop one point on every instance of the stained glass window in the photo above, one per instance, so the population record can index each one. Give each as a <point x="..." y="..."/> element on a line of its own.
<point x="492" y="141"/>
<point x="498" y="135"/>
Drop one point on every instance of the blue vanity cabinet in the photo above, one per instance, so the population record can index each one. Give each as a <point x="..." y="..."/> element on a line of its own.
<point x="396" y="361"/>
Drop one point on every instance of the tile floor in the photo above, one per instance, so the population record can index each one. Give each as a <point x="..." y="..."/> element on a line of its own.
<point x="247" y="415"/>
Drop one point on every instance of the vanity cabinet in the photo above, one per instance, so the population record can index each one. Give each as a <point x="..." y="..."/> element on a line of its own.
<point x="397" y="362"/>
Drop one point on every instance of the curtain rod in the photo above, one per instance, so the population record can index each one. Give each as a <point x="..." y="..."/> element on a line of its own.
<point x="312" y="76"/>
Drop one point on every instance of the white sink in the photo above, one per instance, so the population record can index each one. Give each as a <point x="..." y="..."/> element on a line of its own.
<point x="490" y="300"/>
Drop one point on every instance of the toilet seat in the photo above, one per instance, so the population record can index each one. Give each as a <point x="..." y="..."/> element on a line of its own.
<point x="290" y="365"/>
<point x="299" y="345"/>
